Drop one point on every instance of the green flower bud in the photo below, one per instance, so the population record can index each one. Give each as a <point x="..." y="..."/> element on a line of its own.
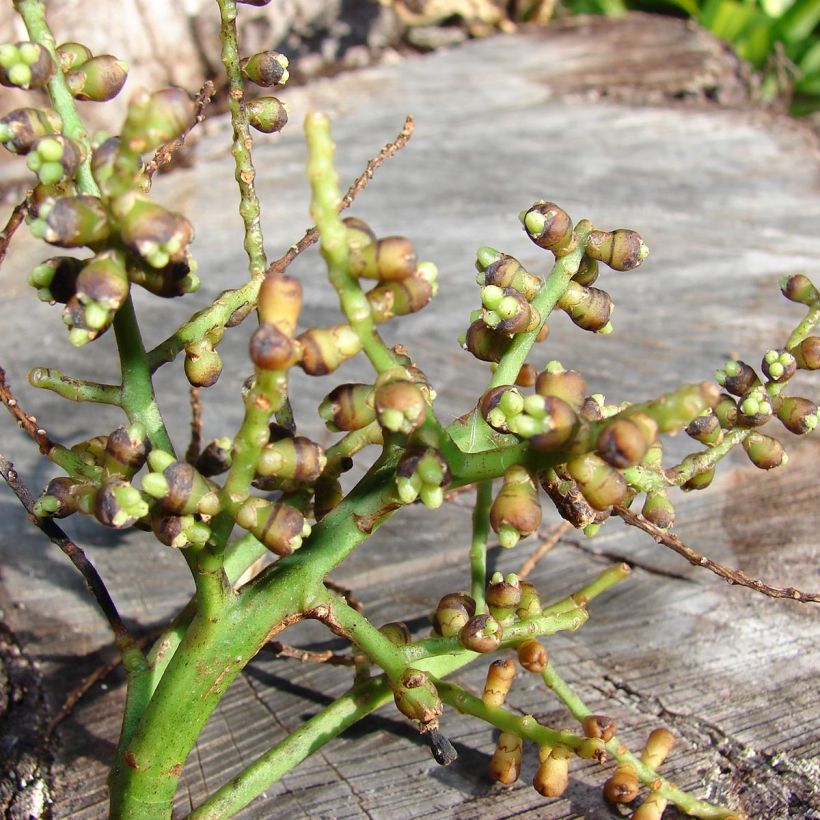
<point x="673" y="411"/>
<point x="74" y="221"/>
<point x="103" y="159"/>
<point x="587" y="271"/>
<point x="755" y="408"/>
<point x="530" y="604"/>
<point x="158" y="235"/>
<point x="624" y="442"/>
<point x="295" y="458"/>
<point x="601" y="484"/>
<point x="60" y="498"/>
<point x="486" y="344"/>
<point x="73" y="55"/>
<point x="549" y="227"/>
<point x="416" y="698"/>
<point x="503" y="597"/>
<point x="423" y="473"/>
<point x="101" y="289"/>
<point x="126" y="450"/>
<point x="117" y="504"/>
<point x="764" y="452"/>
<point x="798" y="415"/>
<point x="620" y="249"/>
<point x="799" y="288"/>
<point x="56" y="278"/>
<point x="568" y="385"/>
<point x="267" y="68"/>
<point x="589" y="308"/>
<point x="499" y="405"/>
<point x="482" y="633"/>
<point x="324" y="349"/>
<point x="155" y="119"/>
<point x="726" y="411"/>
<point x="658" y="510"/>
<point x="558" y="428"/>
<point x="175" y="279"/>
<point x="397" y="632"/>
<point x="807" y="353"/>
<point x="503" y="271"/>
<point x="203" y="365"/>
<point x="516" y="511"/>
<point x="452" y="614"/>
<point x="267" y="114"/>
<point x="216" y="458"/>
<point x="700" y="481"/>
<point x="348" y="407"/>
<point x="97" y="80"/>
<point x="512" y="314"/>
<point x="327" y="493"/>
<point x="400" y="297"/>
<point x="400" y="406"/>
<point x="737" y="377"/>
<point x="706" y="429"/>
<point x="179" y="531"/>
<point x="778" y="365"/>
<point x="54" y="158"/>
<point x="279" y="526"/>
<point x="178" y="487"/>
<point x="25" y="65"/>
<point x="22" y="128"/>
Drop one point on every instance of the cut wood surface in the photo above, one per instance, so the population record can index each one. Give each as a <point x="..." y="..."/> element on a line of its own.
<point x="727" y="200"/>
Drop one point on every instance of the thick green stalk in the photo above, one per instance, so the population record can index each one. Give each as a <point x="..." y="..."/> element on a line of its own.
<point x="49" y="378"/>
<point x="805" y="327"/>
<point x="478" y="547"/>
<point x="649" y="777"/>
<point x="33" y="13"/>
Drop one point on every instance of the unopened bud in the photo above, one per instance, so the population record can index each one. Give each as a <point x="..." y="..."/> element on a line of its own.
<point x="533" y="656"/>
<point x="500" y="677"/>
<point x="505" y="764"/>
<point x="117" y="504"/>
<point x="799" y="288"/>
<point x="601" y="484"/>
<point x="486" y="344"/>
<point x="267" y="68"/>
<point x="778" y="365"/>
<point x="700" y="481"/>
<point x="482" y="633"/>
<point x="155" y="119"/>
<point x="279" y="526"/>
<point x="97" y="80"/>
<point x="400" y="406"/>
<point x="807" y="353"/>
<point x="622" y="786"/>
<point x="324" y="349"/>
<point x="270" y="349"/>
<point x="452" y="613"/>
<point x="658" y="745"/>
<point x="74" y="221"/>
<point x="516" y="511"/>
<point x="568" y="385"/>
<point x="552" y="777"/>
<point x="658" y="510"/>
<point x="589" y="308"/>
<point x="503" y="597"/>
<point x="280" y="302"/>
<point x="267" y="114"/>
<point x="737" y="377"/>
<point x="798" y="415"/>
<point x="25" y="65"/>
<point x="549" y="227"/>
<point x="624" y="442"/>
<point x="601" y="727"/>
<point x="20" y="129"/>
<point x="73" y="55"/>
<point x="620" y="249"/>
<point x="203" y="365"/>
<point x="764" y="452"/>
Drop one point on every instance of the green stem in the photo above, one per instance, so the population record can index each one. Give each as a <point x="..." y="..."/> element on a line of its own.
<point x="478" y="547"/>
<point x="333" y="241"/>
<point x="649" y="777"/>
<point x="805" y="327"/>
<point x="34" y="16"/>
<point x="49" y="378"/>
<point x="697" y="463"/>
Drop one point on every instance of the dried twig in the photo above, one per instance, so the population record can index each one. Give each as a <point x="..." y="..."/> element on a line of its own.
<point x="18" y="214"/>
<point x="307" y="656"/>
<point x="543" y="548"/>
<point x="75" y="554"/>
<point x="346" y="593"/>
<point x="732" y="576"/>
<point x="27" y="423"/>
<point x="165" y="153"/>
<point x="353" y="191"/>
<point x="195" y="444"/>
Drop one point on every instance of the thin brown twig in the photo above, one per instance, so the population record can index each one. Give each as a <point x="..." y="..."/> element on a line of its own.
<point x="18" y="214"/>
<point x="311" y="235"/>
<point x="733" y="576"/>
<point x="165" y="153"/>
<point x="27" y="423"/>
<point x="346" y="593"/>
<point x="75" y="554"/>
<point x="284" y="650"/>
<point x="543" y="548"/>
<point x="195" y="444"/>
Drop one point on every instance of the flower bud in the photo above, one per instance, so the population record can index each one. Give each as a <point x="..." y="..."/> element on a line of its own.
<point x="706" y="429"/>
<point x="25" y="65"/>
<point x="799" y="288"/>
<point x="267" y="114"/>
<point x="549" y="227"/>
<point x="54" y="158"/>
<point x="324" y="349"/>
<point x="400" y="406"/>
<point x="295" y="458"/>
<point x="526" y="375"/>
<point x="348" y="407"/>
<point x="592" y="748"/>
<point x="397" y="632"/>
<point x="601" y="484"/>
<point x="652" y="808"/>
<point x="270" y="349"/>
<point x="452" y="613"/>
<point x="674" y="410"/>
<point x="158" y="235"/>
<point x="725" y="411"/>
<point x="807" y="353"/>
<point x="737" y="377"/>
<point x="103" y="159"/>
<point x="175" y="279"/>
<point x="505" y="764"/>
<point x="503" y="597"/>
<point x="126" y="450"/>
<point x="658" y="746"/>
<point x="155" y="119"/>
<point x="658" y="510"/>
<point x="422" y="473"/>
<point x="798" y="415"/>
<point x="59" y="499"/>
<point x="179" y="531"/>
<point x="394" y="259"/>
<point x="589" y="308"/>
<point x="568" y="385"/>
<point x="482" y="633"/>
<point x="764" y="452"/>
<point x="21" y="128"/>
<point x="401" y="297"/>
<point x="533" y="656"/>
<point x="327" y="493"/>
<point x="755" y="408"/>
<point x="280" y="302"/>
<point x="507" y="311"/>
<point x="279" y="526"/>
<point x="600" y="727"/>
<point x="486" y="344"/>
<point x="417" y="698"/>
<point x="97" y="80"/>
<point x="552" y="777"/>
<point x="73" y="55"/>
<point x="267" y="68"/>
<point x="203" y="365"/>
<point x="559" y="426"/>
<point x="516" y="511"/>
<point x="624" y="442"/>
<point x="700" y="481"/>
<point x="215" y="458"/>
<point x="92" y="450"/>
<point x="74" y="221"/>
<point x="500" y="676"/>
<point x="117" y="504"/>
<point x="620" y="249"/>
<point x="778" y="365"/>
<point x="499" y="405"/>
<point x="530" y="604"/>
<point x="178" y="487"/>
<point x="622" y="786"/>
<point x="505" y="271"/>
<point x="587" y="271"/>
<point x="56" y="278"/>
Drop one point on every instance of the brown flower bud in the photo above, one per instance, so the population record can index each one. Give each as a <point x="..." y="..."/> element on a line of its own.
<point x="533" y="656"/>
<point x="324" y="349"/>
<point x="552" y="777"/>
<point x="658" y="510"/>
<point x="270" y="349"/>
<point x="452" y="613"/>
<point x="620" y="249"/>
<point x="622" y="786"/>
<point x="807" y="353"/>
<point x="549" y="227"/>
<point x="624" y="442"/>
<point x="564" y="423"/>
<point x="486" y="344"/>
<point x="601" y="727"/>
<point x="602" y="485"/>
<point x="658" y="746"/>
<point x="280" y="302"/>
<point x="500" y="676"/>
<point x="568" y="385"/>
<point x="505" y="764"/>
<point x="482" y="633"/>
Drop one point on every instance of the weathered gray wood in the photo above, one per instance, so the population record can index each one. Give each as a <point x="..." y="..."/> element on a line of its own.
<point x="727" y="200"/>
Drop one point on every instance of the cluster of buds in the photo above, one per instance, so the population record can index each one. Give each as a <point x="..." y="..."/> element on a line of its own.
<point x="25" y="65"/>
<point x="422" y="473"/>
<point x="516" y="510"/>
<point x="267" y="69"/>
